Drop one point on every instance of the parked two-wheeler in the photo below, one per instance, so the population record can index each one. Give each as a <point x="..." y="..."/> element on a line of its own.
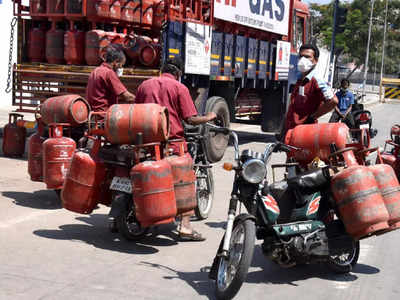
<point x="362" y="117"/>
<point x="293" y="217"/>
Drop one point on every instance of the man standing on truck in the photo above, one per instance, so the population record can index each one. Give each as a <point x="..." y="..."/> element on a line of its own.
<point x="167" y="91"/>
<point x="311" y="97"/>
<point x="343" y="109"/>
<point x="104" y="87"/>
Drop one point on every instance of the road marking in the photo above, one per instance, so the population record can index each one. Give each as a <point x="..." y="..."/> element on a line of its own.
<point x="25" y="218"/>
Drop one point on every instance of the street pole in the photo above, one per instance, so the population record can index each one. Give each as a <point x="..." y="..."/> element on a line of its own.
<point x="376" y="60"/>
<point x="369" y="40"/>
<point x="331" y="70"/>
<point x="383" y="52"/>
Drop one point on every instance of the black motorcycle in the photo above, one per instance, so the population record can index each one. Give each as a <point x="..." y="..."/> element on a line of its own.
<point x="362" y="118"/>
<point x="294" y="217"/>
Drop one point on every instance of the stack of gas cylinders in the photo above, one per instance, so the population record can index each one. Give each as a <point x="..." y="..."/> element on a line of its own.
<point x="75" y="32"/>
<point x="367" y="197"/>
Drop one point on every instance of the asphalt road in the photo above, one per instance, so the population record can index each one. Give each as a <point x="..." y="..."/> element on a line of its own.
<point x="47" y="252"/>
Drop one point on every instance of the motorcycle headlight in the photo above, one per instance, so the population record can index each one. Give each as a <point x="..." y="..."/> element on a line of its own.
<point x="254" y="171"/>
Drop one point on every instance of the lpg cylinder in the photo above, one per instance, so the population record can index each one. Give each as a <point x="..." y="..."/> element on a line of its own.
<point x="57" y="155"/>
<point x="14" y="137"/>
<point x="81" y="190"/>
<point x="96" y="40"/>
<point x="37" y="7"/>
<point x="98" y="10"/>
<point x="314" y="140"/>
<point x="55" y="8"/>
<point x="55" y="45"/>
<point x="184" y="182"/>
<point x="147" y="12"/>
<point x="133" y="44"/>
<point x="124" y="121"/>
<point x="158" y="13"/>
<point x="115" y="10"/>
<point x="74" y="46"/>
<point x="72" y="109"/>
<point x="37" y="44"/>
<point x="359" y="201"/>
<point x="153" y="192"/>
<point x="35" y="154"/>
<point x="390" y="190"/>
<point x="150" y="55"/>
<point x="131" y="11"/>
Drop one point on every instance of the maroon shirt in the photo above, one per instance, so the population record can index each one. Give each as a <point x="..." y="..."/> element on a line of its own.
<point x="103" y="88"/>
<point x="307" y="96"/>
<point x="167" y="91"/>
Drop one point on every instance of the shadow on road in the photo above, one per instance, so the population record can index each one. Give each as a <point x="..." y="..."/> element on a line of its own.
<point x="221" y="224"/>
<point x="197" y="280"/>
<point x="365" y="269"/>
<point x="44" y="199"/>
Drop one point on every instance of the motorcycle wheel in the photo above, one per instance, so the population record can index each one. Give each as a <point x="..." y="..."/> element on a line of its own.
<point x="232" y="271"/>
<point x="204" y="192"/>
<point x="345" y="262"/>
<point x="129" y="227"/>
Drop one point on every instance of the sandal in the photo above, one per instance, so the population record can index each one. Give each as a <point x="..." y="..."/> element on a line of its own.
<point x="193" y="236"/>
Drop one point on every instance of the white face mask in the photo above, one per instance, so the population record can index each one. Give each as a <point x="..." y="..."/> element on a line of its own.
<point x="304" y="65"/>
<point x="120" y="72"/>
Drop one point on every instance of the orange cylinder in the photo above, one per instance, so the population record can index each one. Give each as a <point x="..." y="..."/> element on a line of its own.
<point x="153" y="192"/>
<point x="35" y="154"/>
<point x="74" y="47"/>
<point x="115" y="10"/>
<point x="158" y="14"/>
<point x="359" y="201"/>
<point x="314" y="140"/>
<point x="72" y="109"/>
<point x="390" y="190"/>
<point x="55" y="45"/>
<point x="81" y="190"/>
<point x="150" y="55"/>
<point x="98" y="10"/>
<point x="14" y="137"/>
<point x="184" y="182"/>
<point x="131" y="11"/>
<point x="57" y="155"/>
<point x="55" y="7"/>
<point x="133" y="44"/>
<point x="96" y="40"/>
<point x="147" y="12"/>
<point x="37" y="7"/>
<point x="37" y="45"/>
<point x="124" y="121"/>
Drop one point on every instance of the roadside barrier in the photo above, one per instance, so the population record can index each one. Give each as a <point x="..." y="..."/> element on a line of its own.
<point x="391" y="89"/>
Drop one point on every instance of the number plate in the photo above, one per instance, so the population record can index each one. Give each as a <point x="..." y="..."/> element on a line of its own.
<point x="364" y="126"/>
<point x="122" y="184"/>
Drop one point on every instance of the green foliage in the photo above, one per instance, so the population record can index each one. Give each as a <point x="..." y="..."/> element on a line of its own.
<point x="355" y="36"/>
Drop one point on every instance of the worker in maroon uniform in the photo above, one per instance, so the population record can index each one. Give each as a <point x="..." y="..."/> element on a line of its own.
<point x="312" y="97"/>
<point x="167" y="91"/>
<point x="104" y="87"/>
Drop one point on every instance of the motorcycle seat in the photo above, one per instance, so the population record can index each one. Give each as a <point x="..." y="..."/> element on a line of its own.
<point x="310" y="182"/>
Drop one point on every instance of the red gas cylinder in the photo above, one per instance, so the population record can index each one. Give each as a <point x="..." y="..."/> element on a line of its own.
<point x="81" y="190"/>
<point x="131" y="11"/>
<point x="115" y="10"/>
<point x="55" y="45"/>
<point x="98" y="10"/>
<point x="132" y="45"/>
<point x="55" y="7"/>
<point x="390" y="190"/>
<point x="314" y="140"/>
<point x="37" y="45"/>
<point x="153" y="192"/>
<point x="74" y="8"/>
<point x="37" y="7"/>
<point x="150" y="55"/>
<point x="158" y="13"/>
<point x="72" y="109"/>
<point x="35" y="154"/>
<point x="124" y="121"/>
<point x="184" y="182"/>
<point x="57" y="155"/>
<point x="147" y="12"/>
<point x="14" y="137"/>
<point x="96" y="40"/>
<point x="74" y="46"/>
<point x="359" y="201"/>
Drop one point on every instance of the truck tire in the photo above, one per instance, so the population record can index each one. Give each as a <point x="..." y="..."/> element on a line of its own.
<point x="215" y="144"/>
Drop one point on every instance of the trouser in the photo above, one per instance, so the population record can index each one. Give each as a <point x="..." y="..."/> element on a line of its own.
<point x="348" y="120"/>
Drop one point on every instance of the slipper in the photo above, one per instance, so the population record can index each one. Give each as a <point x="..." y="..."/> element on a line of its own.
<point x="193" y="236"/>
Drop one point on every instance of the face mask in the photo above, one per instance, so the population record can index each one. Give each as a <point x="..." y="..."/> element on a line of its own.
<point x="120" y="72"/>
<point x="304" y="65"/>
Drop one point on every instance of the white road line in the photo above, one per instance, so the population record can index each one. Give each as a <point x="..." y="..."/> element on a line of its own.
<point x="25" y="218"/>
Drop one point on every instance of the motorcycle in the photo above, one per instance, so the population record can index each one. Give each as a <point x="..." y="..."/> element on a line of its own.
<point x="295" y="218"/>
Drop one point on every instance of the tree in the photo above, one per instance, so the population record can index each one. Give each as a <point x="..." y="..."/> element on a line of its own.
<point x="353" y="40"/>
